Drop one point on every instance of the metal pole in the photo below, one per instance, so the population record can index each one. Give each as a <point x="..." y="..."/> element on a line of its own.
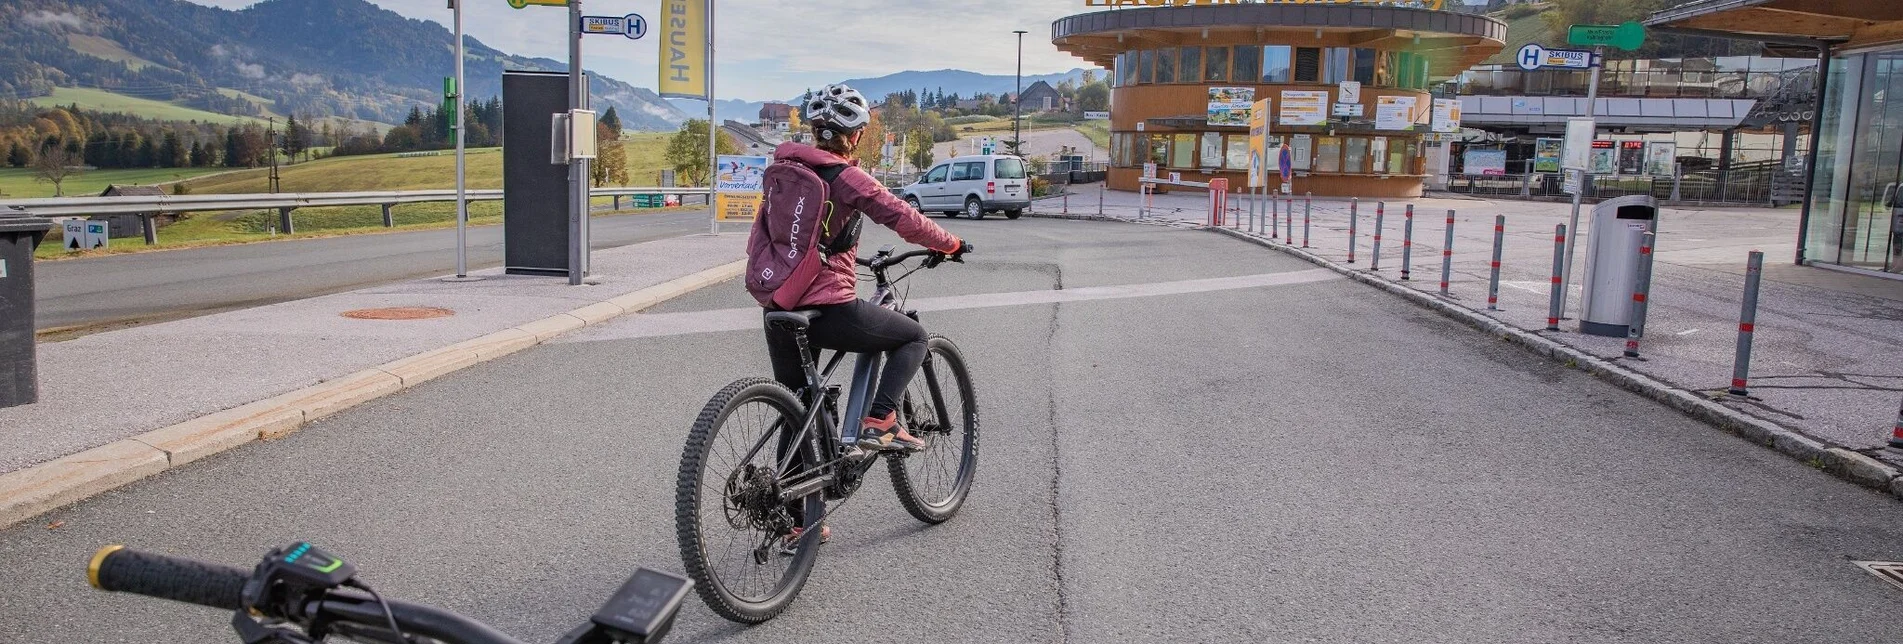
<point x="1354" y="218"/>
<point x="713" y="126"/>
<point x="1380" y="214"/>
<point x="1275" y="215"/>
<point x="1100" y="189"/>
<point x="1747" y="325"/>
<point x="1017" y="101"/>
<point x="1407" y="243"/>
<point x="1592" y="103"/>
<point x="1559" y="260"/>
<point x="1640" y="294"/>
<point x="1810" y="166"/>
<point x="1447" y="255"/>
<point x="1308" y="206"/>
<point x="462" y="197"/>
<point x="1493" y="277"/>
<point x="577" y="170"/>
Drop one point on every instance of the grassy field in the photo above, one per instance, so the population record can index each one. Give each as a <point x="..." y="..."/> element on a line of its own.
<point x="1097" y="131"/>
<point x="358" y="173"/>
<point x="104" y="101"/>
<point x="18" y="183"/>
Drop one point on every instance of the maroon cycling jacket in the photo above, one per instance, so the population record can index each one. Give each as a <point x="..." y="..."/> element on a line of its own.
<point x="855" y="190"/>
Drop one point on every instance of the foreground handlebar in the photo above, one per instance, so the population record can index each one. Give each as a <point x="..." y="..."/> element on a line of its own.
<point x="416" y="619"/>
<point x="114" y="568"/>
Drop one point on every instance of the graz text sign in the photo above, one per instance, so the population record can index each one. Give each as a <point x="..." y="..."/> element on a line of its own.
<point x="1421" y="4"/>
<point x="1627" y="36"/>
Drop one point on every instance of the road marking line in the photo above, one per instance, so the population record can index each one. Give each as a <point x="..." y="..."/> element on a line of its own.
<point x="664" y="324"/>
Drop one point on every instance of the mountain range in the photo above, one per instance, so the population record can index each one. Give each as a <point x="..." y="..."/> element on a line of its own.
<point x="328" y="58"/>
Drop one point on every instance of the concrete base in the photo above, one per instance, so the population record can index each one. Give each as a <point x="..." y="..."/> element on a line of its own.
<point x="1603" y="329"/>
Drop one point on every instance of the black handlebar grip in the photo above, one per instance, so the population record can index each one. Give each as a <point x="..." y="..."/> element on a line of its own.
<point x="117" y="569"/>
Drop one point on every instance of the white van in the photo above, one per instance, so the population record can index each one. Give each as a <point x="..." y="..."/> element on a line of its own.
<point x="974" y="185"/>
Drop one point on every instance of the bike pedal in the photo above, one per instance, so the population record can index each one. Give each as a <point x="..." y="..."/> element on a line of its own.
<point x="857" y="454"/>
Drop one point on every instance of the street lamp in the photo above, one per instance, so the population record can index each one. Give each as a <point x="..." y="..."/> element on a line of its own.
<point x="1017" y="101"/>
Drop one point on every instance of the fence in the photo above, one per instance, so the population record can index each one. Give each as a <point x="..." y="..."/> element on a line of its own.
<point x="1746" y="185"/>
<point x="148" y="206"/>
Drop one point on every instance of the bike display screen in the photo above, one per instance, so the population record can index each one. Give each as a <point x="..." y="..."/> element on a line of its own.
<point x="645" y="604"/>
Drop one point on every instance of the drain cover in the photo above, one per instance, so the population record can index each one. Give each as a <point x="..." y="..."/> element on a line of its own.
<point x="400" y="313"/>
<point x="1890" y="571"/>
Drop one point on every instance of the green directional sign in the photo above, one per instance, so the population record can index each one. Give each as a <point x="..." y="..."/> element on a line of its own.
<point x="1627" y="36"/>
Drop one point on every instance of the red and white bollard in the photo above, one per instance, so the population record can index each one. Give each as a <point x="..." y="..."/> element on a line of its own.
<point x="1896" y="435"/>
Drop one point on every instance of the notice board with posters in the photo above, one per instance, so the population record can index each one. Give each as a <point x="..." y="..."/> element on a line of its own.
<point x="1486" y="162"/>
<point x="1230" y="106"/>
<point x="1303" y="108"/>
<point x="737" y="187"/>
<point x="1394" y="113"/>
<point x="1546" y="153"/>
<point x="1446" y="119"/>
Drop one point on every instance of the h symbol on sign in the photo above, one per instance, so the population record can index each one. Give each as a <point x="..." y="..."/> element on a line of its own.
<point x="1529" y="57"/>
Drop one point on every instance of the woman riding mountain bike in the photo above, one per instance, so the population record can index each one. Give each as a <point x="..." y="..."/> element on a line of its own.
<point x="839" y="115"/>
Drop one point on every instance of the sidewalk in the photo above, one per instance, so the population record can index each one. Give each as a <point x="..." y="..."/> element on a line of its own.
<point x="179" y="387"/>
<point x="1828" y="353"/>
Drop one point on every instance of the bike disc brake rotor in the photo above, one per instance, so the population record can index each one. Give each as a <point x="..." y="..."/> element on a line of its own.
<point x="753" y="501"/>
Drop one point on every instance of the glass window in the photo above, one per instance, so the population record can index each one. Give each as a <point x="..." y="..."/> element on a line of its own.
<point x="1126" y="69"/>
<point x="1007" y="169"/>
<point x="1378" y="155"/>
<point x="1192" y="65"/>
<point x="1365" y="61"/>
<point x="1248" y="63"/>
<point x="1216" y="64"/>
<point x="1354" y="155"/>
<point x="1212" y="156"/>
<point x="1301" y="151"/>
<point x="1328" y="154"/>
<point x="1237" y="153"/>
<point x="1384" y="72"/>
<point x="1308" y="64"/>
<point x="1159" y="150"/>
<point x="1831" y="193"/>
<point x="1183" y="151"/>
<point x="1338" y="66"/>
<point x="937" y="174"/>
<point x="1146" y="64"/>
<point x="970" y="170"/>
<point x="1275" y="64"/>
<point x="1165" y="65"/>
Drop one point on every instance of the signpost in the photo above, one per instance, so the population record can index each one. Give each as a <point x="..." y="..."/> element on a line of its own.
<point x="1533" y="56"/>
<point x="1627" y="36"/>
<point x="633" y="26"/>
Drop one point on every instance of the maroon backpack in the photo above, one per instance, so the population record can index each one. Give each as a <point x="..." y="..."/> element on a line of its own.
<point x="794" y="231"/>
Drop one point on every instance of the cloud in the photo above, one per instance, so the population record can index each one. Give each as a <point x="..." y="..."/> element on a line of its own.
<point x="301" y="79"/>
<point x="218" y="51"/>
<point x="249" y="70"/>
<point x="46" y="19"/>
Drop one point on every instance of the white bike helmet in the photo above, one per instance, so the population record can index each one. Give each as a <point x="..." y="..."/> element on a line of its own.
<point x="838" y="110"/>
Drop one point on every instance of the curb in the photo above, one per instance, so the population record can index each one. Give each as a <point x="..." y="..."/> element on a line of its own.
<point x="35" y="490"/>
<point x="1838" y="460"/>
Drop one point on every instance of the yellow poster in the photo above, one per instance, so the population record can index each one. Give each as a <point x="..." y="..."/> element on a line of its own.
<point x="1259" y="144"/>
<point x="683" y="27"/>
<point x="736" y="206"/>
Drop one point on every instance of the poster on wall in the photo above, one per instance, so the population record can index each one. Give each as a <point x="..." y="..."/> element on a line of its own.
<point x="1378" y="152"/>
<point x="1603" y="158"/>
<point x="1446" y="115"/>
<point x="737" y="187"/>
<point x="1660" y="158"/>
<point x="1301" y="150"/>
<point x="1394" y="113"/>
<point x="1303" y="108"/>
<point x="1212" y="151"/>
<point x="1486" y="162"/>
<point x="1546" y="153"/>
<point x="1259" y="144"/>
<point x="1631" y="157"/>
<point x="1229" y="106"/>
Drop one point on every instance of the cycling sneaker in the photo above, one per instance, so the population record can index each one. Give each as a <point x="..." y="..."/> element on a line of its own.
<point x="885" y="434"/>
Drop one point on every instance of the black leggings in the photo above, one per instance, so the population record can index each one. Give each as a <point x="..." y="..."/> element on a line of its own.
<point x="858" y="327"/>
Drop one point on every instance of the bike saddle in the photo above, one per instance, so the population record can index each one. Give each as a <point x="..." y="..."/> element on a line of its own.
<point x="798" y="320"/>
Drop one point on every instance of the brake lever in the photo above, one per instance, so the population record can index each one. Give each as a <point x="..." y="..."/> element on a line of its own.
<point x="933" y="260"/>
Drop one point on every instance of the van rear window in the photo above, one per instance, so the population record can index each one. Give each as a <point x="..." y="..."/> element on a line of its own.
<point x="1010" y="168"/>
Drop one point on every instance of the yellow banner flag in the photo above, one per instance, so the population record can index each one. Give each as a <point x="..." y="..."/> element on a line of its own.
<point x="683" y="27"/>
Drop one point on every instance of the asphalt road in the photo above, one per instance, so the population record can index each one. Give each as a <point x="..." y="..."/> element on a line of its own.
<point x="1278" y="457"/>
<point x="138" y="288"/>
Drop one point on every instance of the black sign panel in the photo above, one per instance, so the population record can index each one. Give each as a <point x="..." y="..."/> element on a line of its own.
<point x="534" y="191"/>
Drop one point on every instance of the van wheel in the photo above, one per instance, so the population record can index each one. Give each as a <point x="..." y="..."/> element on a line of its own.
<point x="974" y="209"/>
<point x="1013" y="214"/>
<point x="913" y="202"/>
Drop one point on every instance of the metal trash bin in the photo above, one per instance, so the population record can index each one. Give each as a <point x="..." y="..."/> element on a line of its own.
<point x="1612" y="263"/>
<point x="19" y="235"/>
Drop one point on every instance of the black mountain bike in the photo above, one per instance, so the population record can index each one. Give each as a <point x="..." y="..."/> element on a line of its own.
<point x="763" y="467"/>
<point x="300" y="594"/>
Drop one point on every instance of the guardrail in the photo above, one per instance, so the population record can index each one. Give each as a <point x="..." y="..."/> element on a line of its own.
<point x="148" y="206"/>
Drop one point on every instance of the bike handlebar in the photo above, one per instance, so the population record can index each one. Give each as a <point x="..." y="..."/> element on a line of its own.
<point x="877" y="262"/>
<point x="179" y="579"/>
<point x="118" y="569"/>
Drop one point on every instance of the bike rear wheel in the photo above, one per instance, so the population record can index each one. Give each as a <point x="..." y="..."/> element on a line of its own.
<point x="940" y="407"/>
<point x="728" y="517"/>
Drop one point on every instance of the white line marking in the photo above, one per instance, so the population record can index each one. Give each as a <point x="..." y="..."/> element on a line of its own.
<point x="1687" y="332"/>
<point x="642" y="325"/>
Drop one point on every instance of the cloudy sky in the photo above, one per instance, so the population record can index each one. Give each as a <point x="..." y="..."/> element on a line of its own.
<point x="773" y="49"/>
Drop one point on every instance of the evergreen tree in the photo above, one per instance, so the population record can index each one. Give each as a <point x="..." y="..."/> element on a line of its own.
<point x="234" y="149"/>
<point x="148" y="154"/>
<point x="297" y="137"/>
<point x="612" y="120"/>
<point x="19" y="156"/>
<point x="172" y="153"/>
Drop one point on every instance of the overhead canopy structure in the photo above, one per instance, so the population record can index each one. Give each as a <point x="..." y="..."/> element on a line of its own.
<point x="1840" y="23"/>
<point x="1549" y="113"/>
<point x="1455" y="41"/>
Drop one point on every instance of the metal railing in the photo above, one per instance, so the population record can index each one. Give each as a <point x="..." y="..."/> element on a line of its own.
<point x="148" y="206"/>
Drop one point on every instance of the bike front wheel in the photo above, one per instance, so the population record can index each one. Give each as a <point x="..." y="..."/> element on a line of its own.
<point x="941" y="408"/>
<point x="732" y="526"/>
